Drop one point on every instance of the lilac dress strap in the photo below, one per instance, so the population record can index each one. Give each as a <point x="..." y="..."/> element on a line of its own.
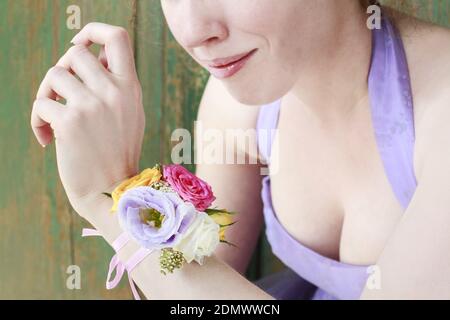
<point x="392" y="117"/>
<point x="392" y="111"/>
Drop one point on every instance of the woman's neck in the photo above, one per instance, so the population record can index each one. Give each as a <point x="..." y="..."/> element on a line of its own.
<point x="334" y="80"/>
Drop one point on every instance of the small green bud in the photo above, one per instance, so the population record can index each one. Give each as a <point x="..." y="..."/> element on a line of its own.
<point x="170" y="259"/>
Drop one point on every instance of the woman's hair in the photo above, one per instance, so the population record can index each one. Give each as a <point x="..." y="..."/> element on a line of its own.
<point x="366" y="3"/>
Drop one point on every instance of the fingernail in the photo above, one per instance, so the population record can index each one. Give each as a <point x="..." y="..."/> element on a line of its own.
<point x="74" y="39"/>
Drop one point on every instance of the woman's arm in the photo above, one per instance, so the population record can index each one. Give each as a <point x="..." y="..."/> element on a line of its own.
<point x="213" y="280"/>
<point x="98" y="139"/>
<point x="217" y="278"/>
<point x="415" y="263"/>
<point x="237" y="186"/>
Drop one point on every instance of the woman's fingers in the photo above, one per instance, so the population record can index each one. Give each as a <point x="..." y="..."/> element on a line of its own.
<point x="45" y="115"/>
<point x="86" y="66"/>
<point x="117" y="46"/>
<point x="60" y="81"/>
<point x="102" y="57"/>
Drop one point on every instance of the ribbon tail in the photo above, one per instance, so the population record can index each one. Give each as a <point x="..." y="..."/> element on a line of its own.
<point x="117" y="265"/>
<point x="90" y="233"/>
<point x="133" y="288"/>
<point x="140" y="255"/>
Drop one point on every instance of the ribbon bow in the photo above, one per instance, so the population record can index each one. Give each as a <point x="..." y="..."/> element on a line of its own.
<point x="119" y="266"/>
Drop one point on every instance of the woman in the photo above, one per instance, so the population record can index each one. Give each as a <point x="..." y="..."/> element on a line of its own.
<point x="361" y="179"/>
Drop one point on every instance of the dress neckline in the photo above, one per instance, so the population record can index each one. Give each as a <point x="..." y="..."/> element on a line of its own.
<point x="391" y="107"/>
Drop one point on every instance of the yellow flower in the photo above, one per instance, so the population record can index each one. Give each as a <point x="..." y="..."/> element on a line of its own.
<point x="145" y="178"/>
<point x="223" y="218"/>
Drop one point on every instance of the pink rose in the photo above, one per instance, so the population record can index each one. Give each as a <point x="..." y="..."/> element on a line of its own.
<point x="188" y="186"/>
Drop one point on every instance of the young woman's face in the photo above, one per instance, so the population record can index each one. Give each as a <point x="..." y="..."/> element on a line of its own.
<point x="277" y="39"/>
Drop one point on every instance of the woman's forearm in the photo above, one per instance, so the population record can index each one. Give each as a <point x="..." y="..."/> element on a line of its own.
<point x="213" y="280"/>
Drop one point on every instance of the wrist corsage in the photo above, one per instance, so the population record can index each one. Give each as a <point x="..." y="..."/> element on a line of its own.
<point x="167" y="208"/>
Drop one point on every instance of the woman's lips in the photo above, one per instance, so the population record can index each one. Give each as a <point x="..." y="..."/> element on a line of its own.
<point x="227" y="67"/>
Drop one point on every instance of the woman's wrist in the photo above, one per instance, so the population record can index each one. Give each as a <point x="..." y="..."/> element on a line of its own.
<point x="96" y="208"/>
<point x="103" y="220"/>
<point x="97" y="211"/>
<point x="107" y="224"/>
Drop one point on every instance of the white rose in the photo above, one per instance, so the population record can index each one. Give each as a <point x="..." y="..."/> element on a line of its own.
<point x="200" y="239"/>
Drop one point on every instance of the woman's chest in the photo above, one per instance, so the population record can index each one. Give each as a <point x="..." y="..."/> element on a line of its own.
<point x="330" y="191"/>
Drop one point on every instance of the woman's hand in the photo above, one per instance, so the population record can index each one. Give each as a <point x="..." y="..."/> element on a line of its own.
<point x="99" y="132"/>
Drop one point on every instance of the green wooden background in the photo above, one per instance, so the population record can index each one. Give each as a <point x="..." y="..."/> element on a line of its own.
<point x="39" y="233"/>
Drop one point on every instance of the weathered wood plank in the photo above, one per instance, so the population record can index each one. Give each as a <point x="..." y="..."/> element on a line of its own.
<point x="39" y="233"/>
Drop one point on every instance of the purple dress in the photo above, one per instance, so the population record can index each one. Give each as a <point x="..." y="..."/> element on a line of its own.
<point x="310" y="275"/>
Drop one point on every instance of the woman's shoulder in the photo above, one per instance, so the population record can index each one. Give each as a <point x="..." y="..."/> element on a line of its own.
<point x="427" y="48"/>
<point x="220" y="112"/>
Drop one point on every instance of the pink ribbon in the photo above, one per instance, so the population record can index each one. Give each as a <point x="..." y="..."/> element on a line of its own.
<point x="119" y="266"/>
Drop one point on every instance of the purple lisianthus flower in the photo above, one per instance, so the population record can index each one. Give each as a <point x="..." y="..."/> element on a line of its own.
<point x="176" y="215"/>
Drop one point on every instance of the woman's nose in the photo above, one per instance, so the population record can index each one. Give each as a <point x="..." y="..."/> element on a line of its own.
<point x="201" y="26"/>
